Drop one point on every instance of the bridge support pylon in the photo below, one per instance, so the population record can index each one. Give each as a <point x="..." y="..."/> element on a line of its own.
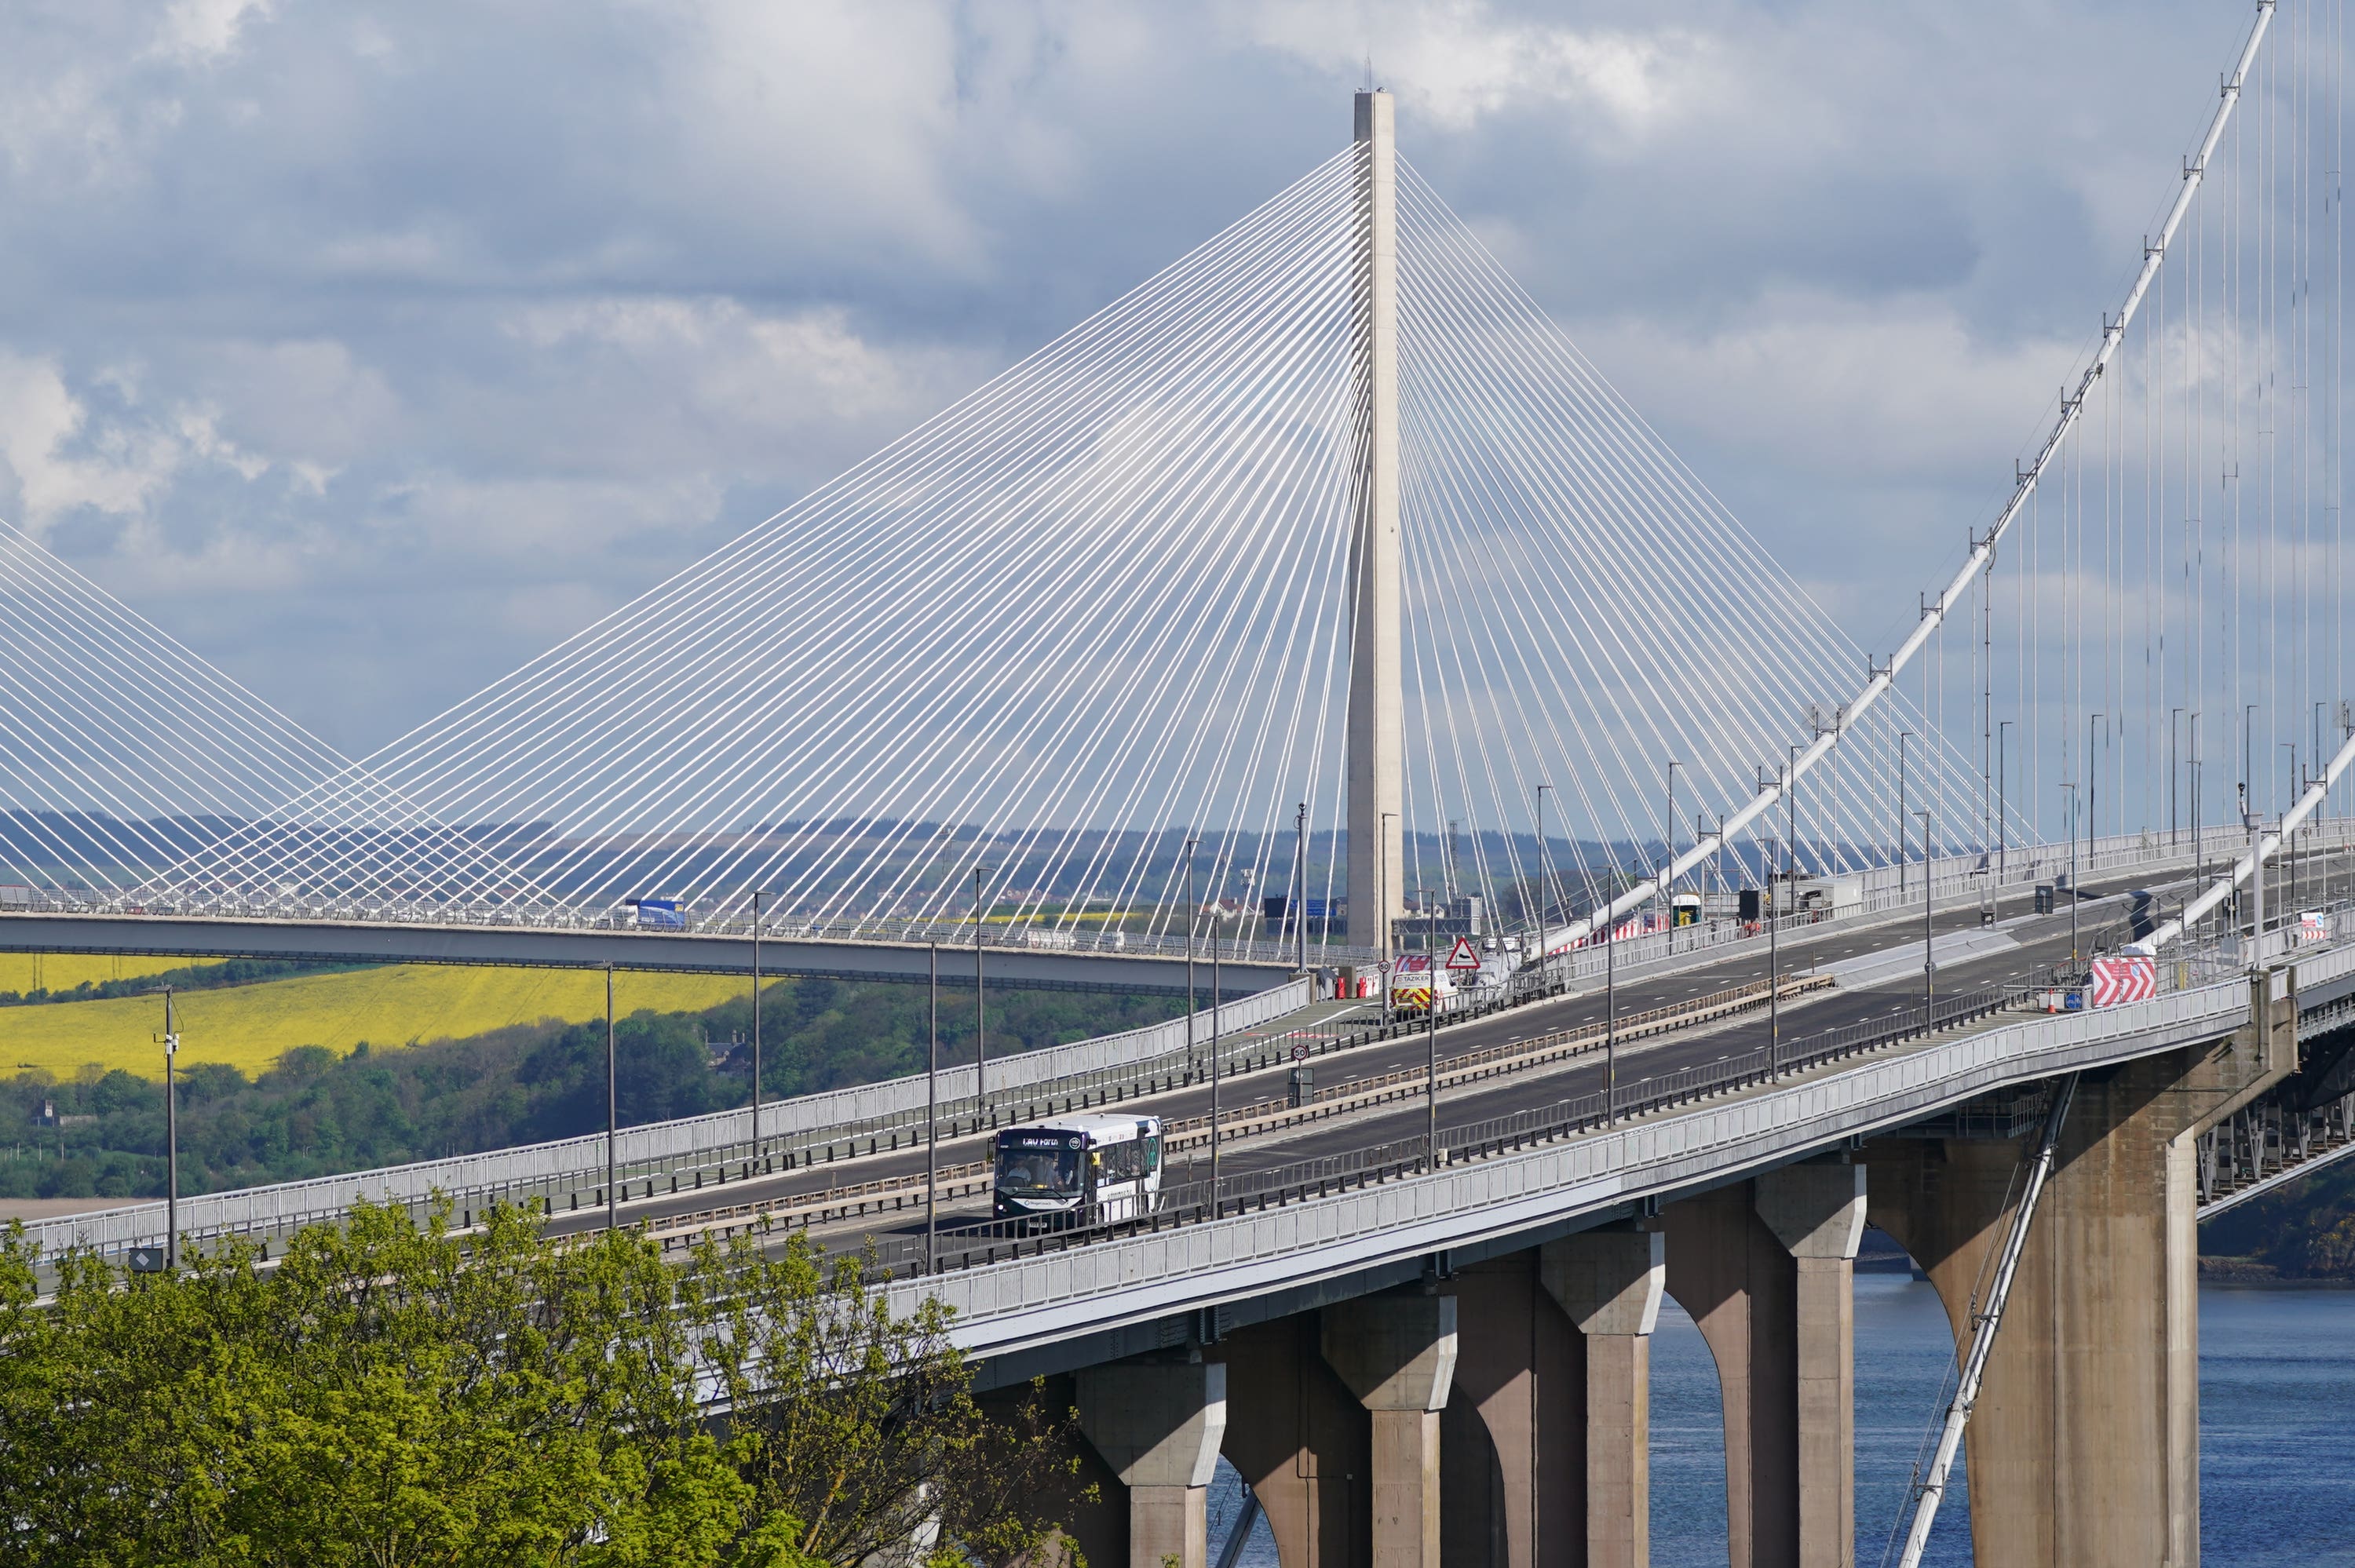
<point x="1397" y="1354"/>
<point x="1377" y="716"/>
<point x="1158" y="1426"/>
<point x="1765" y="1267"/>
<point x="2083" y="1448"/>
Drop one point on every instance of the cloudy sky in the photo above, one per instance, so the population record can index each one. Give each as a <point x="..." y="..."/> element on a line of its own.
<point x="371" y="347"/>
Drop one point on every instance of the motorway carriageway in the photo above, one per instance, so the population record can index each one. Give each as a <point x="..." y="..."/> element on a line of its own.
<point x="2040" y="942"/>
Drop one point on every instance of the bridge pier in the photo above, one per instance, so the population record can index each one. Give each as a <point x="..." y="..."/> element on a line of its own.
<point x="1297" y="1434"/>
<point x="1397" y="1354"/>
<point x="1158" y="1426"/>
<point x="1609" y="1283"/>
<point x="2083" y="1448"/>
<point x="1765" y="1267"/>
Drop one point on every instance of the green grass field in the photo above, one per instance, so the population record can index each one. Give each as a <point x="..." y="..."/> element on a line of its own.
<point x="250" y="1026"/>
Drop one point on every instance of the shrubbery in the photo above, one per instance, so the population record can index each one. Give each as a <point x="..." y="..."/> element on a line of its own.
<point x="389" y="1394"/>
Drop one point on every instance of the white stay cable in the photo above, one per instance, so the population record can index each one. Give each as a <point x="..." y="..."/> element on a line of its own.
<point x="1983" y="550"/>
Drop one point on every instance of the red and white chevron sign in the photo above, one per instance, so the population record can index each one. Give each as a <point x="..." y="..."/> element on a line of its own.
<point x="2130" y="978"/>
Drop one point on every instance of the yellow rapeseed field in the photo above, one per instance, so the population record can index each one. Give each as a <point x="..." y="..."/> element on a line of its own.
<point x="21" y="972"/>
<point x="250" y="1026"/>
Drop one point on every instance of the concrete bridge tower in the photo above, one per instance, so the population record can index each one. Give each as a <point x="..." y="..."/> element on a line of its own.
<point x="1377" y="705"/>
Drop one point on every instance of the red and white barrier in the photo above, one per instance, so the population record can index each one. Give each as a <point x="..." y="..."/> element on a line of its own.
<point x="2134" y="978"/>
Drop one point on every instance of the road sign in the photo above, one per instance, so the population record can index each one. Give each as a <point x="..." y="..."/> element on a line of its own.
<point x="1300" y="1052"/>
<point x="1462" y="957"/>
<point x="2118" y="980"/>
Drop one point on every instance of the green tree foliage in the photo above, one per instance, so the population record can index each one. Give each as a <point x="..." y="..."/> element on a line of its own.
<point x="390" y="1393"/>
<point x="2301" y="1230"/>
<point x="317" y="1114"/>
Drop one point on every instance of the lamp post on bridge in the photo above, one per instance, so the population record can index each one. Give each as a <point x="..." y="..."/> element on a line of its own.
<point x="1929" y="948"/>
<point x="2002" y="737"/>
<point x="612" y="1194"/>
<point x="932" y="1110"/>
<point x="2290" y="798"/>
<point x="1669" y="851"/>
<point x="2093" y="787"/>
<point x="1217" y="996"/>
<point x="1611" y="1025"/>
<point x="756" y="1025"/>
<point x="2070" y="786"/>
<point x="1300" y="881"/>
<point x="1430" y="1032"/>
<point x="171" y="1138"/>
<point x="1773" y="967"/>
<point x="1548" y="898"/>
<point x="2173" y="716"/>
<point x="980" y="1015"/>
<point x="1193" y="918"/>
<point x="1902" y="736"/>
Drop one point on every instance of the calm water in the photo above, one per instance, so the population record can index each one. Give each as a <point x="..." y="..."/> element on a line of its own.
<point x="2277" y="1429"/>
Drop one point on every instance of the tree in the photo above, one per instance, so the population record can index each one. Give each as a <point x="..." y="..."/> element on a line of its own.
<point x="392" y="1392"/>
<point x="859" y="1427"/>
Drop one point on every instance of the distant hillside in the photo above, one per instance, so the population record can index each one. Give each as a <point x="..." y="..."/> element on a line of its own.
<point x="313" y="1111"/>
<point x="248" y="1027"/>
<point x="2304" y="1230"/>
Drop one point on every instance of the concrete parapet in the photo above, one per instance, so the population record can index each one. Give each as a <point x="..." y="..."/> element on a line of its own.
<point x="1158" y="1425"/>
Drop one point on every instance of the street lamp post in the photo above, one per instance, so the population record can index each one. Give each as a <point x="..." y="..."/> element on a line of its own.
<point x="1611" y="1025"/>
<point x="613" y="1193"/>
<point x="2174" y="718"/>
<point x="2289" y="841"/>
<point x="2072" y="788"/>
<point x="2093" y="791"/>
<point x="1666" y="878"/>
<point x="171" y="1138"/>
<point x="1548" y="896"/>
<point x="1300" y="881"/>
<point x="756" y="1025"/>
<point x="1431" y="1032"/>
<point x="1773" y="966"/>
<point x="1929" y="951"/>
<point x="1902" y="736"/>
<point x="2002" y="739"/>
<point x="980" y="1013"/>
<point x="1217" y="995"/>
<point x="932" y="1110"/>
<point x="1193" y="919"/>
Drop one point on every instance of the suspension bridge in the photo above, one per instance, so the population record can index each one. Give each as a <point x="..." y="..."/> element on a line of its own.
<point x="1317" y="602"/>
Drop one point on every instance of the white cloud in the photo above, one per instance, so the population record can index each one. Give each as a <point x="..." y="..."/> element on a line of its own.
<point x="1455" y="62"/>
<point x="1892" y="389"/>
<point x="198" y="31"/>
<point x="62" y="463"/>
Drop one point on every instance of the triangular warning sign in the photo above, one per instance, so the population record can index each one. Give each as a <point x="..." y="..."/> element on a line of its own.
<point x="1462" y="957"/>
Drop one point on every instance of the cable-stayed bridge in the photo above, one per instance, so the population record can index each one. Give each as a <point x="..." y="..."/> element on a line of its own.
<point x="1317" y="600"/>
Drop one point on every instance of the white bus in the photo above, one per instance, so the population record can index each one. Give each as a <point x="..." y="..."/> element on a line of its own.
<point x="1079" y="1169"/>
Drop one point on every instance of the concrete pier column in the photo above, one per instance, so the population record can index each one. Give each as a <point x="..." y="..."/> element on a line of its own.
<point x="1158" y="1426"/>
<point x="1740" y="1284"/>
<point x="1520" y="1364"/>
<point x="1298" y="1434"/>
<point x="1397" y="1354"/>
<point x="1610" y="1283"/>
<point x="2083" y="1448"/>
<point x="1817" y="1212"/>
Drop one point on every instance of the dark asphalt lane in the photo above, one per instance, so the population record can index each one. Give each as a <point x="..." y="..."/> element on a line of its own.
<point x="2044" y="942"/>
